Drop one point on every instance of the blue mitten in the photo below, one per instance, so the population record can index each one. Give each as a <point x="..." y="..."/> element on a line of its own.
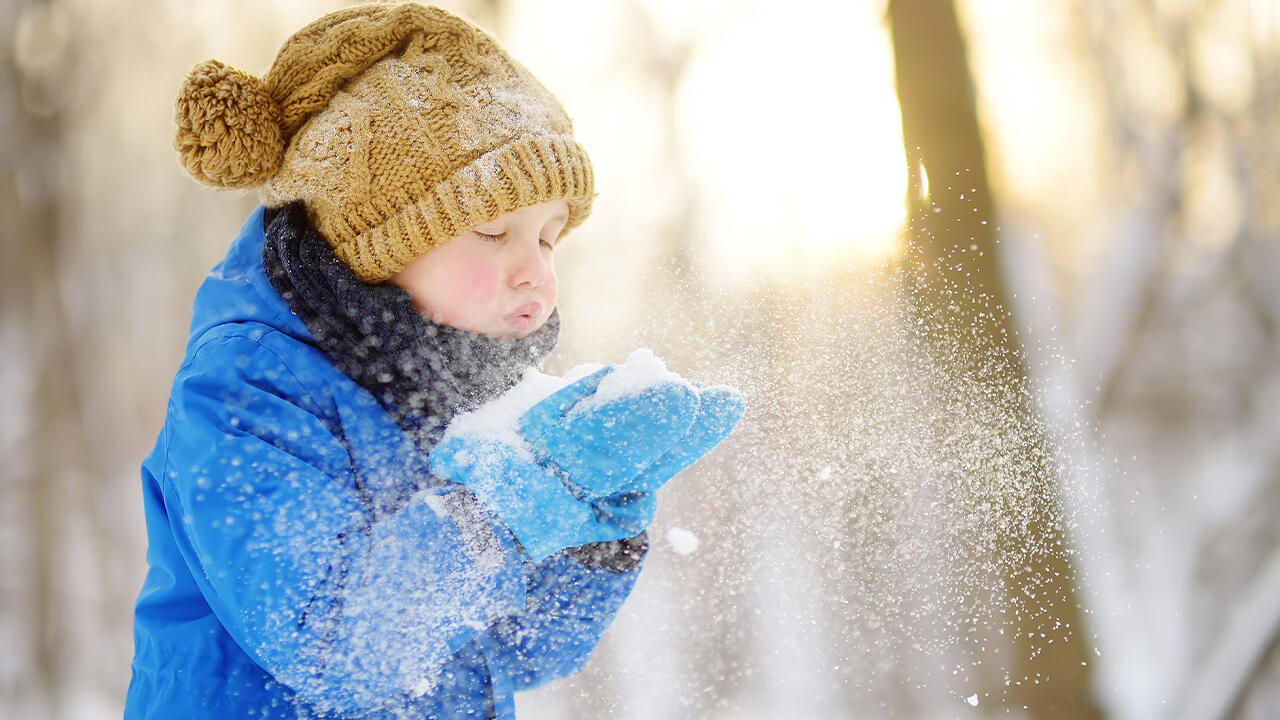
<point x="596" y="458"/>
<point x="550" y="504"/>
<point x="632" y="443"/>
<point x="600" y="445"/>
<point x="538" y="509"/>
<point x="719" y="410"/>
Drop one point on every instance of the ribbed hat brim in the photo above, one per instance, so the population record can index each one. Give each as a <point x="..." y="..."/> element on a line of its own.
<point x="529" y="171"/>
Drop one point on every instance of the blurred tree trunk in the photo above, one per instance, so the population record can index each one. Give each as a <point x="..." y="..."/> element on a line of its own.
<point x="958" y="294"/>
<point x="33" y="322"/>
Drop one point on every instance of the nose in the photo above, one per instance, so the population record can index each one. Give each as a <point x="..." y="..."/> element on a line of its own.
<point x="530" y="266"/>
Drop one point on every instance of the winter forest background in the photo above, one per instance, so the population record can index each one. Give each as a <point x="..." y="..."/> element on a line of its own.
<point x="1013" y="439"/>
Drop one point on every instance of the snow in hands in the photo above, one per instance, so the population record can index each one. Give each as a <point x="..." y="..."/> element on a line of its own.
<point x="610" y="436"/>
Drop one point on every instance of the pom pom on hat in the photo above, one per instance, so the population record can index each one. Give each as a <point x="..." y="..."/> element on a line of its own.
<point x="228" y="127"/>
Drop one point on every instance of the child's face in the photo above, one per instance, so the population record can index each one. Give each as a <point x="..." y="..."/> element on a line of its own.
<point x="497" y="280"/>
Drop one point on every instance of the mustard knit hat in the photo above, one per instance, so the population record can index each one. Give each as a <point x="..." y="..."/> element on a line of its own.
<point x="399" y="126"/>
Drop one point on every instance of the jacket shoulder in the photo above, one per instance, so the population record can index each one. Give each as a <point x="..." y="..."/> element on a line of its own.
<point x="253" y="348"/>
<point x="234" y="358"/>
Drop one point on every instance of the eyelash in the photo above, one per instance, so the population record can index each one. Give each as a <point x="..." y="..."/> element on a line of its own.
<point x="549" y="244"/>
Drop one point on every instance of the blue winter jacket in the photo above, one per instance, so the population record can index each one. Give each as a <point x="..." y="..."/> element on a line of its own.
<point x="303" y="563"/>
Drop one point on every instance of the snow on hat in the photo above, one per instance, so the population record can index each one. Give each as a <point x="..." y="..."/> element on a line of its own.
<point x="399" y="127"/>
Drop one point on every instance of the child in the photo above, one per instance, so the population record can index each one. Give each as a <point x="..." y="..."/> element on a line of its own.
<point x="324" y="539"/>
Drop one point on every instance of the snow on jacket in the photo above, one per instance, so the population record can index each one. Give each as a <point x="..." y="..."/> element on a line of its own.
<point x="303" y="564"/>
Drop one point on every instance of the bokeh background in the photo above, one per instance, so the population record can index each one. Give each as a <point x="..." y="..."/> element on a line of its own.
<point x="999" y="279"/>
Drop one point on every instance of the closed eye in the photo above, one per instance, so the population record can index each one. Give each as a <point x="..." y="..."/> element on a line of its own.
<point x="498" y="237"/>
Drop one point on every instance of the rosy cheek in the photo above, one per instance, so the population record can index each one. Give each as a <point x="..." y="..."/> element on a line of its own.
<point x="478" y="282"/>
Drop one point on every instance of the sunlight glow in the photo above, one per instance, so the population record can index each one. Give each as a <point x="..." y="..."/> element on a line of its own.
<point x="784" y="154"/>
<point x="791" y="122"/>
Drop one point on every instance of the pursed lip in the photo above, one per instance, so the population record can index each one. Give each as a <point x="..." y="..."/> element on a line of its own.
<point x="525" y="316"/>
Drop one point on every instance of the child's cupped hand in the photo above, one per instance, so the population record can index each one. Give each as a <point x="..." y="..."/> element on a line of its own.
<point x="628" y="429"/>
<point x="583" y="462"/>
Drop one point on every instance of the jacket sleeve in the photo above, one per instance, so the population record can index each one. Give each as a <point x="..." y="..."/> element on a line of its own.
<point x="568" y="606"/>
<point x="347" y="605"/>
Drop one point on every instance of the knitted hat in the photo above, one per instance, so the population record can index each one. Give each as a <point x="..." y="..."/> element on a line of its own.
<point x="399" y="127"/>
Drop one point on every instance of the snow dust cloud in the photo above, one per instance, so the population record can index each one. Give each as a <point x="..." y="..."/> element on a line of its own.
<point x="881" y="526"/>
